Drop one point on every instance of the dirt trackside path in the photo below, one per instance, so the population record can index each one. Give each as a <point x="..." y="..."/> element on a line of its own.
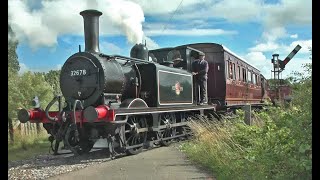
<point x="154" y="164"/>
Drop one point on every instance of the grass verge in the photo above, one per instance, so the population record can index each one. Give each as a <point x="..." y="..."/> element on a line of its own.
<point x="27" y="146"/>
<point x="274" y="147"/>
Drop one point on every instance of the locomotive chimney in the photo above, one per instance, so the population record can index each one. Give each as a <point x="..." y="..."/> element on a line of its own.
<point x="91" y="29"/>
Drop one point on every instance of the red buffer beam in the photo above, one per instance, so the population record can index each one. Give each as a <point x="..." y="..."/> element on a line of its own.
<point x="92" y="114"/>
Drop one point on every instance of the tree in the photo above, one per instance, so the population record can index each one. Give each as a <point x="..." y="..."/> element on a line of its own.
<point x="13" y="69"/>
<point x="13" y="63"/>
<point x="34" y="84"/>
<point x="13" y="99"/>
<point x="53" y="78"/>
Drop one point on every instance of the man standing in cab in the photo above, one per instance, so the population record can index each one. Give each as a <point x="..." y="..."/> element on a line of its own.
<point x="200" y="69"/>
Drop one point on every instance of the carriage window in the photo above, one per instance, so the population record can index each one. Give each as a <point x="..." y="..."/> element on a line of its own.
<point x="254" y="78"/>
<point x="239" y="74"/>
<point x="227" y="69"/>
<point x="234" y="71"/>
<point x="230" y="71"/>
<point x="244" y="75"/>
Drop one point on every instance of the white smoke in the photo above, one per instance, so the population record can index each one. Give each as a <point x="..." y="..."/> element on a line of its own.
<point x="126" y="15"/>
<point x="151" y="44"/>
<point x="42" y="25"/>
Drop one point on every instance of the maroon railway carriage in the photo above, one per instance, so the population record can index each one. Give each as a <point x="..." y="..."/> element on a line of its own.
<point x="232" y="81"/>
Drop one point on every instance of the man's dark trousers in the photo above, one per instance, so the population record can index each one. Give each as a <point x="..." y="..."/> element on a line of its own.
<point x="202" y="83"/>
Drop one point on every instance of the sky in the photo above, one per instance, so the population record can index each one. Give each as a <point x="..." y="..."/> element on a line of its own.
<point x="50" y="31"/>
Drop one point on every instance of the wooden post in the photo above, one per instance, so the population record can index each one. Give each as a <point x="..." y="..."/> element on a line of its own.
<point x="247" y="114"/>
<point x="10" y="130"/>
<point x="24" y="129"/>
<point x="38" y="128"/>
<point x="27" y="128"/>
<point x="19" y="127"/>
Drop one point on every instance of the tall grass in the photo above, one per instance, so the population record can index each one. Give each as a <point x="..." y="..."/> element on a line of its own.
<point x="266" y="150"/>
<point x="27" y="146"/>
<point x="27" y="141"/>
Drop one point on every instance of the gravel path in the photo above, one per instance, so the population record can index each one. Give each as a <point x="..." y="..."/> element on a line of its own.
<point x="164" y="163"/>
<point x="45" y="166"/>
<point x="159" y="163"/>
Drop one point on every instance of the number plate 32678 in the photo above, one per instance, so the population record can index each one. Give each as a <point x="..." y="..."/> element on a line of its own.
<point x="80" y="72"/>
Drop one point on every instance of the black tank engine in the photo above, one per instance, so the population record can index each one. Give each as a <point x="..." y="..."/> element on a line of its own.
<point x="127" y="100"/>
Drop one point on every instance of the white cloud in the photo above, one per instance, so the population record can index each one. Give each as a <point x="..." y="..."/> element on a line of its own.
<point x="188" y="32"/>
<point x="272" y="34"/>
<point x="158" y="25"/>
<point x="199" y="23"/>
<point x="235" y="10"/>
<point x="294" y="36"/>
<point x="305" y="45"/>
<point x="193" y="9"/>
<point x="293" y="12"/>
<point x="275" y="47"/>
<point x="263" y="47"/>
<point x="24" y="68"/>
<point x="273" y="14"/>
<point x="275" y="17"/>
<point x="259" y="60"/>
<point x="42" y="26"/>
<point x="156" y="7"/>
<point x="265" y="66"/>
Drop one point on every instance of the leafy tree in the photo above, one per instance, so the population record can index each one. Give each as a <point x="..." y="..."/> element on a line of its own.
<point x="13" y="68"/>
<point x="53" y="78"/>
<point x="34" y="84"/>
<point x="13" y="63"/>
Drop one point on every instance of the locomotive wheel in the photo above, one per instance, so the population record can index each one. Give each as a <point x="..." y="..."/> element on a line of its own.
<point x="78" y="147"/>
<point x="186" y="129"/>
<point x="167" y="119"/>
<point x="134" y="135"/>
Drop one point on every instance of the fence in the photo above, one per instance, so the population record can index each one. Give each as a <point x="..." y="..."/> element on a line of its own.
<point x="24" y="129"/>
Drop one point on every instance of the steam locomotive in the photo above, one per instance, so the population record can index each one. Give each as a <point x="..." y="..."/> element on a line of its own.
<point x="131" y="102"/>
